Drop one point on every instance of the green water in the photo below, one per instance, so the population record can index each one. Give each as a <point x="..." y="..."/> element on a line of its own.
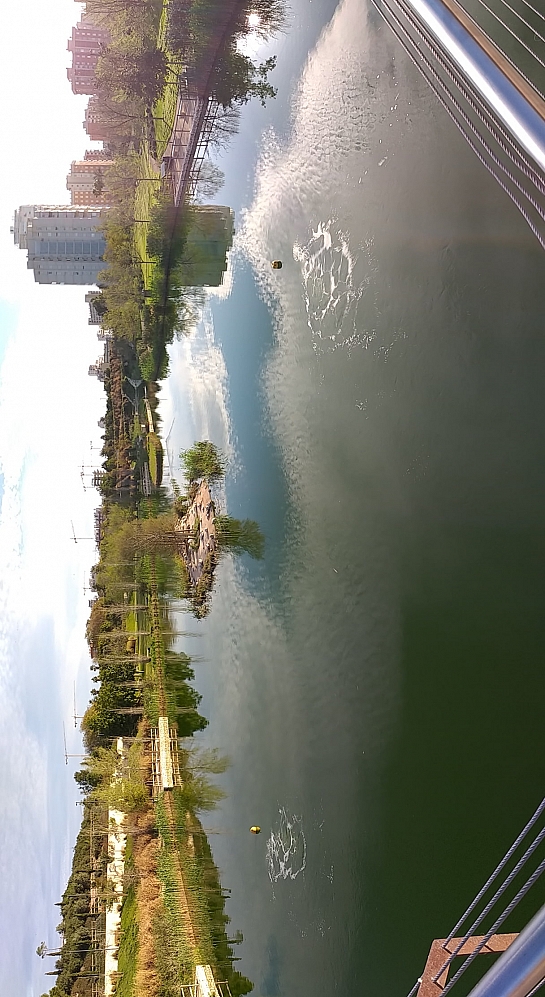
<point x="379" y="677"/>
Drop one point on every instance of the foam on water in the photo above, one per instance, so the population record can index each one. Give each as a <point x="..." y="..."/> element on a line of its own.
<point x="286" y="848"/>
<point x="332" y="289"/>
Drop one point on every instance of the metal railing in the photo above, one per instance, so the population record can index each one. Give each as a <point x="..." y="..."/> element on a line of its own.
<point x="489" y="92"/>
<point x="512" y="881"/>
<point x="520" y="971"/>
<point x="507" y="92"/>
<point x="517" y="28"/>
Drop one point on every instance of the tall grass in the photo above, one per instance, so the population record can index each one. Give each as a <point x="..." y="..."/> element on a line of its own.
<point x="128" y="946"/>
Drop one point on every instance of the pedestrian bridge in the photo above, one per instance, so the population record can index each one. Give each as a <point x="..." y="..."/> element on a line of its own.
<point x="165" y="762"/>
<point x="205" y="985"/>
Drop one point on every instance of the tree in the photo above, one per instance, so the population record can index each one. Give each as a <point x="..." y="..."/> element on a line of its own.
<point x="104" y="9"/>
<point x="126" y="20"/>
<point x="241" y="536"/>
<point x="86" y="780"/>
<point x="123" y="178"/>
<point x="238" y="79"/>
<point x="101" y="718"/>
<point x="42" y="950"/>
<point x="122" y="119"/>
<point x="199" y="793"/>
<point x="98" y="185"/>
<point x="99" y="304"/>
<point x="226" y="124"/>
<point x="268" y="17"/>
<point x="123" y="74"/>
<point x="207" y="761"/>
<point x="209" y="182"/>
<point x="203" y="460"/>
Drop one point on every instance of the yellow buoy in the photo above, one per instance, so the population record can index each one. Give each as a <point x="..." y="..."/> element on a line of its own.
<point x="276" y="264"/>
<point x="255" y="829"/>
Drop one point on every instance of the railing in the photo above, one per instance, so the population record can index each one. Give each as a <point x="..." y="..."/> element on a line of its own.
<point x="517" y="972"/>
<point x="520" y="972"/>
<point x="194" y="990"/>
<point x="517" y="27"/>
<point x="507" y="92"/>
<point x="483" y="80"/>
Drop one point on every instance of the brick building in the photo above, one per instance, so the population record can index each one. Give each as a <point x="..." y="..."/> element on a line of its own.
<point x="93" y="122"/>
<point x="86" y="44"/>
<point x="88" y="181"/>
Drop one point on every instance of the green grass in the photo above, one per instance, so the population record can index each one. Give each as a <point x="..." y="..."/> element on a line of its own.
<point x="146" y="196"/>
<point x="131" y="621"/>
<point x="156" y="663"/>
<point x="128" y="947"/>
<point x="164" y="112"/>
<point x="165" y="108"/>
<point x="188" y="956"/>
<point x="155" y="458"/>
<point x="194" y="882"/>
<point x="131" y="625"/>
<point x="162" y="30"/>
<point x="142" y="623"/>
<point x="136" y="431"/>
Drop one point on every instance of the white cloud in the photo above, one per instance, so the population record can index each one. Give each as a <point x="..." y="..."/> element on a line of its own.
<point x="48" y="415"/>
<point x="49" y="409"/>
<point x="197" y="391"/>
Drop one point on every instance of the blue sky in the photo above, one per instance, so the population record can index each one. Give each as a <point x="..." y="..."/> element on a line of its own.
<point x="49" y="408"/>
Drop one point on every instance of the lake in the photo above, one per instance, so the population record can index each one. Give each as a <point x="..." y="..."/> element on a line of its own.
<point x="377" y="680"/>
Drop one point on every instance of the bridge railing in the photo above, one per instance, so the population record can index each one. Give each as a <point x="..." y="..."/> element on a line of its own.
<point x="517" y="28"/>
<point x="486" y="89"/>
<point x="487" y="68"/>
<point x="520" y="972"/>
<point x="508" y="900"/>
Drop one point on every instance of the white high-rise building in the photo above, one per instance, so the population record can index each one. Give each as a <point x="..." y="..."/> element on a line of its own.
<point x="64" y="242"/>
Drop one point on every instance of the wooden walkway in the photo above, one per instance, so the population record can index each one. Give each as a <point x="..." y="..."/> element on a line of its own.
<point x="196" y="112"/>
<point x="165" y="763"/>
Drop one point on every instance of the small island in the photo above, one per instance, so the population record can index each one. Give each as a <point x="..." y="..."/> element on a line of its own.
<point x="203" y="535"/>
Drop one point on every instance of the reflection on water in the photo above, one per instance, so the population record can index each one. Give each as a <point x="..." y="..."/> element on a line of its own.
<point x="401" y="385"/>
<point x="286" y="848"/>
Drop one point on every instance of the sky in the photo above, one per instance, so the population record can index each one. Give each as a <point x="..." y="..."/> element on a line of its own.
<point x="49" y="408"/>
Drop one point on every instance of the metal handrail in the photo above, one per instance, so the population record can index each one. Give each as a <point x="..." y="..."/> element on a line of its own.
<point x="520" y="971"/>
<point x="509" y="95"/>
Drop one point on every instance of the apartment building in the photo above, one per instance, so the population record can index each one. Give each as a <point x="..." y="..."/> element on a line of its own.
<point x="64" y="242"/>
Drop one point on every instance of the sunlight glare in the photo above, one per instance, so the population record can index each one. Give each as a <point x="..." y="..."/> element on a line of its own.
<point x="254" y="20"/>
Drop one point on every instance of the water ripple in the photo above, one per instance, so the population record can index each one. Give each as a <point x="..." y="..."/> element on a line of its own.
<point x="286" y="848"/>
<point x="332" y="292"/>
